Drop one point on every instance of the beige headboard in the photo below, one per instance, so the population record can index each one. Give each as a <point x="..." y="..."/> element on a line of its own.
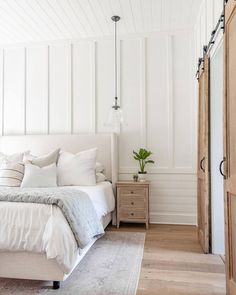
<point x="40" y="144"/>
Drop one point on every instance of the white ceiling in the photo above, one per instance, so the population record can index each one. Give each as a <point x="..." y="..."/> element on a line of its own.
<point x="43" y="20"/>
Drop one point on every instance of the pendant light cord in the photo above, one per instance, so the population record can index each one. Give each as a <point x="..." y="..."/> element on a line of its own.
<point x="115" y="65"/>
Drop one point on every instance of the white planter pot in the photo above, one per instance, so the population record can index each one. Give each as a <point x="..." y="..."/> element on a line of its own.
<point x="142" y="177"/>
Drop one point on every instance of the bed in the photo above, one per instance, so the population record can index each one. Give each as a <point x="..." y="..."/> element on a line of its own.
<point x="32" y="265"/>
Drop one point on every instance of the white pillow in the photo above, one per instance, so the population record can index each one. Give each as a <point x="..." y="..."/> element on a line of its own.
<point x="77" y="169"/>
<point x="40" y="177"/>
<point x="99" y="168"/>
<point x="100" y="177"/>
<point x="44" y="160"/>
<point x="14" y="158"/>
<point x="11" y="174"/>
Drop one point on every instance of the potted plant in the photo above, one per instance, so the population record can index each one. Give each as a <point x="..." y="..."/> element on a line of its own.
<point x="142" y="156"/>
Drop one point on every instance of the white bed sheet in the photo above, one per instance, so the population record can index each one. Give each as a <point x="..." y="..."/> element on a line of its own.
<point x="43" y="228"/>
<point x="101" y="195"/>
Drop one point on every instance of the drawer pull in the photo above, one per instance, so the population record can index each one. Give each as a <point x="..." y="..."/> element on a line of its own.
<point x="132" y="192"/>
<point x="132" y="214"/>
<point x="132" y="203"/>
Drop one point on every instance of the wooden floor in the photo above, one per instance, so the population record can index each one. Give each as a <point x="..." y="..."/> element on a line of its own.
<point x="173" y="263"/>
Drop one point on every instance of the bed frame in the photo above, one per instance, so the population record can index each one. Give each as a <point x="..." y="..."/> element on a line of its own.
<point x="29" y="265"/>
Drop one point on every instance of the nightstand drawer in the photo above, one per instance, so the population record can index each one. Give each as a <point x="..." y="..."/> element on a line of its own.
<point x="132" y="191"/>
<point x="133" y="202"/>
<point x="132" y="214"/>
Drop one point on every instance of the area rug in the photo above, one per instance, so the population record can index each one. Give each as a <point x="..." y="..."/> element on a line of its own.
<point x="111" y="267"/>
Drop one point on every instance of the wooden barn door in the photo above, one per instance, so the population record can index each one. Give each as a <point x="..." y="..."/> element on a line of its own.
<point x="203" y="157"/>
<point x="230" y="145"/>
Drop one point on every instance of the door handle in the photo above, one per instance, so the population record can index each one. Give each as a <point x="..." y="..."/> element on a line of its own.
<point x="201" y="162"/>
<point x="221" y="166"/>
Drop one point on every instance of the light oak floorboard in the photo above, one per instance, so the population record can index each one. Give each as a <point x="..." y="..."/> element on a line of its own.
<point x="174" y="264"/>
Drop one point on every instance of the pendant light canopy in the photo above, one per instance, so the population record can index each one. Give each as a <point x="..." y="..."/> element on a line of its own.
<point x="115" y="117"/>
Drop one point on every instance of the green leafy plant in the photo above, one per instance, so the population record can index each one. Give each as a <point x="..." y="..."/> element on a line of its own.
<point x="142" y="156"/>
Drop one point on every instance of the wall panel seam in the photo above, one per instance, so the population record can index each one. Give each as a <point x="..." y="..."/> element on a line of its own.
<point x="71" y="89"/>
<point x="169" y="85"/>
<point x="25" y="94"/>
<point x="93" y="66"/>
<point x="143" y="96"/>
<point x="48" y="89"/>
<point x="3" y="89"/>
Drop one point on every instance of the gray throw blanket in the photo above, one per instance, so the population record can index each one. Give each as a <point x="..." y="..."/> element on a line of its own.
<point x="74" y="204"/>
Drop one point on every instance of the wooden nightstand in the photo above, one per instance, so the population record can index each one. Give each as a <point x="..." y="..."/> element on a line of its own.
<point x="132" y="202"/>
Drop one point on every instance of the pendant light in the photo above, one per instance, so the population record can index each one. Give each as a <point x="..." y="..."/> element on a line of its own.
<point x="115" y="117"/>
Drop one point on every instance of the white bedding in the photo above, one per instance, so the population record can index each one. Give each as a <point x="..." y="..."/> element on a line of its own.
<point x="43" y="228"/>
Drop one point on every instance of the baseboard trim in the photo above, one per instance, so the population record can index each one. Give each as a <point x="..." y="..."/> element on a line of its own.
<point x="173" y="218"/>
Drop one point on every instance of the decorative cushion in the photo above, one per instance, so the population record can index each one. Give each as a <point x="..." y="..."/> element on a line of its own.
<point x="77" y="169"/>
<point x="42" y="161"/>
<point x="14" y="158"/>
<point x="40" y="177"/>
<point x="99" y="168"/>
<point x="100" y="177"/>
<point x="11" y="174"/>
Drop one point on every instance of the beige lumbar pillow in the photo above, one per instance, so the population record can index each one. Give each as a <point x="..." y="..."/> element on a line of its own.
<point x="44" y="160"/>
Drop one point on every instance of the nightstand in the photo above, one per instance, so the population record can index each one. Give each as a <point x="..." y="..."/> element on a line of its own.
<point x="132" y="202"/>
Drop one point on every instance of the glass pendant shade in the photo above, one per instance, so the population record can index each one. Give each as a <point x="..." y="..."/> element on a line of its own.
<point x="115" y="119"/>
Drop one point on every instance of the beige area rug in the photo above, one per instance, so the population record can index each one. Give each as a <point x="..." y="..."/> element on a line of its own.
<point x="111" y="267"/>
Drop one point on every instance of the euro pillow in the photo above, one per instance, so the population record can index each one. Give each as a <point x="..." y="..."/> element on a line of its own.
<point x="40" y="177"/>
<point x="77" y="169"/>
<point x="100" y="177"/>
<point x="44" y="160"/>
<point x="99" y="167"/>
<point x="14" y="158"/>
<point x="11" y="174"/>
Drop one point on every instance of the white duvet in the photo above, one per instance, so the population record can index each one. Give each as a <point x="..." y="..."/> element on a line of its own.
<point x="43" y="228"/>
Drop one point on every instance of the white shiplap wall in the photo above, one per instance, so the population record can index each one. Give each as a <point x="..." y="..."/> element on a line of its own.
<point x="209" y="13"/>
<point x="34" y="20"/>
<point x="67" y="87"/>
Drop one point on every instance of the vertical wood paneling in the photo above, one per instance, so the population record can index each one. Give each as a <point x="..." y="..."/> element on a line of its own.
<point x="131" y="135"/>
<point x="14" y="95"/>
<point x="1" y="89"/>
<point x="182" y="103"/>
<point x="94" y="87"/>
<point x="59" y="102"/>
<point x="105" y="82"/>
<point x="218" y="9"/>
<point x="36" y="90"/>
<point x="210" y="16"/>
<point x="169" y="87"/>
<point x="83" y="87"/>
<point x="157" y="100"/>
<point x="143" y="92"/>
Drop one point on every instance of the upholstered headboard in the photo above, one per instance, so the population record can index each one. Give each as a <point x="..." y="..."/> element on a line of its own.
<point x="40" y="144"/>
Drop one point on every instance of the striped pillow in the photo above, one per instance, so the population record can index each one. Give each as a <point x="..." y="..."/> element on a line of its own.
<point x="11" y="174"/>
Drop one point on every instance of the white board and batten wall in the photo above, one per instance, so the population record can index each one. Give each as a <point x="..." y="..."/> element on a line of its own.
<point x="209" y="13"/>
<point x="67" y="87"/>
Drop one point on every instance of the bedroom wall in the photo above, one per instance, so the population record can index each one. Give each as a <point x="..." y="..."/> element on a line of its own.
<point x="208" y="16"/>
<point x="67" y="87"/>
